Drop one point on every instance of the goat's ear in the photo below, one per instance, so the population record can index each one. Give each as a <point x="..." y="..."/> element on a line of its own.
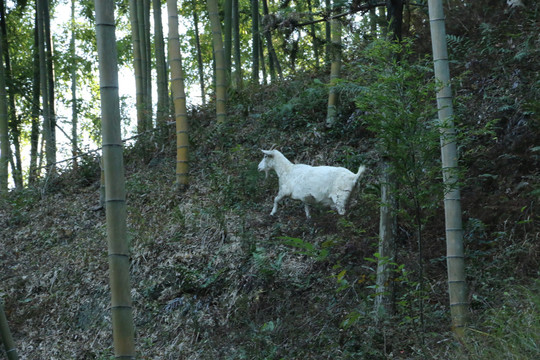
<point x="268" y="152"/>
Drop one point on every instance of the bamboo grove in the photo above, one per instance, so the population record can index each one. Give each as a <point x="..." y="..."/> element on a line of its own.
<point x="51" y="72"/>
<point x="223" y="46"/>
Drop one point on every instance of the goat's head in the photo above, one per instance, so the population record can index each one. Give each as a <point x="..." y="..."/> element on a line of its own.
<point x="267" y="163"/>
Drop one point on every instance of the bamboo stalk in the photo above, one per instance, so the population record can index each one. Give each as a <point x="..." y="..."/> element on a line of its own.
<point x="118" y="248"/>
<point x="219" y="53"/>
<point x="457" y="287"/>
<point x="5" y="334"/>
<point x="179" y="98"/>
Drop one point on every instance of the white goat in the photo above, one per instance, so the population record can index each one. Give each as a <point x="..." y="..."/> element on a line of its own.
<point x="328" y="185"/>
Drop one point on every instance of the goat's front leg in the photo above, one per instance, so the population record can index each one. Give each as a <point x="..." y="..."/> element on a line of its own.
<point x="276" y="201"/>
<point x="306" y="208"/>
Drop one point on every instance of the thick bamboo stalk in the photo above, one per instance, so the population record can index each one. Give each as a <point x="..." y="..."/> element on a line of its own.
<point x="121" y="308"/>
<point x="457" y="287"/>
<point x="179" y="98"/>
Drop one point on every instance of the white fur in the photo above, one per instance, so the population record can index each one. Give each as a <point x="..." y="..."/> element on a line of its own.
<point x="328" y="185"/>
<point x="514" y="3"/>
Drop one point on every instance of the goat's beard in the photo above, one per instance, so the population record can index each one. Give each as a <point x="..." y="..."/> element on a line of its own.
<point x="266" y="174"/>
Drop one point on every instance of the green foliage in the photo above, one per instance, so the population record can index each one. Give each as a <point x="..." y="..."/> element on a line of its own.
<point x="239" y="183"/>
<point x="308" y="249"/>
<point x="89" y="169"/>
<point x="509" y="331"/>
<point x="299" y="107"/>
<point x="395" y="96"/>
<point x="265" y="265"/>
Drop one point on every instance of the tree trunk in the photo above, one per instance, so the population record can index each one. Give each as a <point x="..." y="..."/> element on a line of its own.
<point x="162" y="111"/>
<point x="137" y="64"/>
<point x="147" y="63"/>
<point x="227" y="28"/>
<point x="51" y="148"/>
<point x="262" y="62"/>
<point x="313" y="36"/>
<point x="121" y="308"/>
<point x="13" y="121"/>
<point x="5" y="334"/>
<point x="274" y="61"/>
<point x="48" y="124"/>
<point x="74" y="112"/>
<point x="221" y="80"/>
<point x="255" y="41"/>
<point x="394" y="15"/>
<point x="328" y="30"/>
<point x="335" y="71"/>
<point x="457" y="286"/>
<point x="179" y="99"/>
<point x="34" y="135"/>
<point x="237" y="54"/>
<point x="4" y="138"/>
<point x="384" y="298"/>
<point x="199" y="55"/>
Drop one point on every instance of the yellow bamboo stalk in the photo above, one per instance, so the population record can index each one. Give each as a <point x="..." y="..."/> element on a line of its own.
<point x="179" y="98"/>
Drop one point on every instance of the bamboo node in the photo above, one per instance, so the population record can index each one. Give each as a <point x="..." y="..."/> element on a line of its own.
<point x="118" y="254"/>
<point x="112" y="145"/>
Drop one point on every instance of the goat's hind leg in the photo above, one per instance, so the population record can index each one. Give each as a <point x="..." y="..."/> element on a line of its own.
<point x="306" y="208"/>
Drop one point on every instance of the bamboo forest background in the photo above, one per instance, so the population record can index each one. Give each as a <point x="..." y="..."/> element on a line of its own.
<point x="148" y="134"/>
<point x="293" y="37"/>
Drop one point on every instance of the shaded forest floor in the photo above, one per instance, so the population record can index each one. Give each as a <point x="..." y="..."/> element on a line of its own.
<point x="215" y="277"/>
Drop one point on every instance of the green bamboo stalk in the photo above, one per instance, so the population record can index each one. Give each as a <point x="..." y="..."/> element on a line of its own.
<point x="227" y="29"/>
<point x="162" y="111"/>
<point x="457" y="286"/>
<point x="199" y="55"/>
<point x="118" y="248"/>
<point x="48" y="135"/>
<point x="236" y="53"/>
<point x="4" y="138"/>
<point x="219" y="54"/>
<point x="137" y="64"/>
<point x="255" y="41"/>
<point x="179" y="98"/>
<point x="335" y="71"/>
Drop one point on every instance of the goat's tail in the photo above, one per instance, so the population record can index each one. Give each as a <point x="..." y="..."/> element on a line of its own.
<point x="361" y="170"/>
